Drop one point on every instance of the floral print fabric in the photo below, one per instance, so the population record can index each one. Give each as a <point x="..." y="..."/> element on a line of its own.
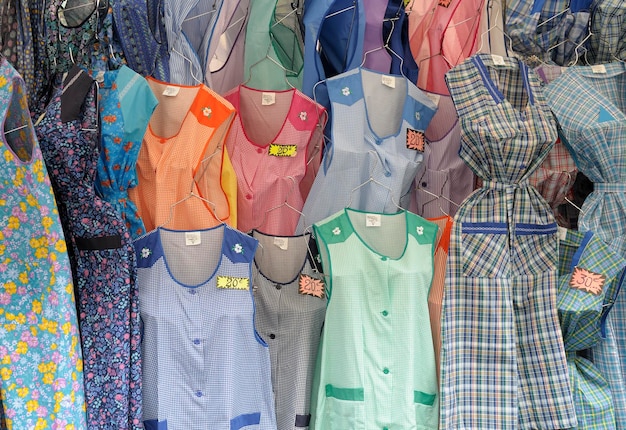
<point x="41" y="379"/>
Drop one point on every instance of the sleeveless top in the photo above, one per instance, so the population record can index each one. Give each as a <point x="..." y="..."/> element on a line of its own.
<point x="290" y="309"/>
<point x="40" y="355"/>
<point x="270" y="143"/>
<point x="503" y="362"/>
<point x="204" y="364"/>
<point x="184" y="153"/>
<point x="377" y="326"/>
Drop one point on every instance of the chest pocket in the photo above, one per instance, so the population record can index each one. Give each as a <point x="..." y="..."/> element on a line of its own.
<point x="535" y="249"/>
<point x="485" y="252"/>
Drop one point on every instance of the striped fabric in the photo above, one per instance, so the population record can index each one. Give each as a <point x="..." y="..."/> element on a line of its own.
<point x="580" y="315"/>
<point x="608" y="24"/>
<point x="503" y="363"/>
<point x="596" y="136"/>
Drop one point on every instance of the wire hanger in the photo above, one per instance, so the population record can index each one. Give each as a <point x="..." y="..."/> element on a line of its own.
<point x="191" y="69"/>
<point x="436" y="197"/>
<point x="495" y="26"/>
<point x="371" y="180"/>
<point x="212" y="11"/>
<point x="386" y="47"/>
<point x="16" y="129"/>
<point x="269" y="58"/>
<point x="285" y="204"/>
<point x="567" y="185"/>
<point x="345" y="9"/>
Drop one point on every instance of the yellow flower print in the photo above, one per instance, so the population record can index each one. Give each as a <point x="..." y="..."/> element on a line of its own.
<point x="8" y="156"/>
<point x="23" y="278"/>
<point x="9" y="327"/>
<point x="7" y="358"/>
<point x="48" y="378"/>
<point x="41" y="253"/>
<point x="46" y="222"/>
<point x="37" y="166"/>
<point x="3" y="81"/>
<point x="79" y="365"/>
<point x="36" y="306"/>
<point x="20" y="318"/>
<point x="6" y="373"/>
<point x="3" y="202"/>
<point x="60" y="246"/>
<point x="22" y="347"/>
<point x="1" y="236"/>
<point x="66" y="328"/>
<point x="2" y="249"/>
<point x="32" y="201"/>
<point x="33" y="330"/>
<point x="14" y="223"/>
<point x="34" y="242"/>
<point x="32" y="405"/>
<point x="22" y="392"/>
<point x="69" y="289"/>
<point x="41" y="424"/>
<point x="47" y="325"/>
<point x="23" y="206"/>
<point x="10" y="287"/>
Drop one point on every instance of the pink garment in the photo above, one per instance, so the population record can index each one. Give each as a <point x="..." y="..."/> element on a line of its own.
<point x="271" y="139"/>
<point x="443" y="37"/>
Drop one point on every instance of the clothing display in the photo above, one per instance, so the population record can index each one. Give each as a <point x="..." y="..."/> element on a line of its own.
<point x="290" y="306"/>
<point x="376" y="363"/>
<point x="607" y="26"/>
<point x="102" y="257"/>
<point x="502" y="263"/>
<point x="41" y="377"/>
<point x="199" y="339"/>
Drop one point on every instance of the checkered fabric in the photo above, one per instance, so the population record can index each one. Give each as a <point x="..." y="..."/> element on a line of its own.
<point x="503" y="363"/>
<point x="608" y="26"/>
<point x="596" y="137"/>
<point x="580" y="314"/>
<point x="555" y="176"/>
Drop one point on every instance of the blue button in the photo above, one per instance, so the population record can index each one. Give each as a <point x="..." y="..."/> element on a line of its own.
<point x="198" y="393"/>
<point x="196" y="341"/>
<point x="387" y="174"/>
<point x="192" y="291"/>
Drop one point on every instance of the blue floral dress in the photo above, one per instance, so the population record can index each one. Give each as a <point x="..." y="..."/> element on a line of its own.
<point x="102" y="257"/>
<point x="41" y="378"/>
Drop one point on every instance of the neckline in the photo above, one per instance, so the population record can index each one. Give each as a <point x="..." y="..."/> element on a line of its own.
<point x="282" y="127"/>
<point x="167" y="266"/>
<point x="493" y="89"/>
<point x="594" y="93"/>
<point x="367" y="114"/>
<point x="367" y="245"/>
<point x="306" y="236"/>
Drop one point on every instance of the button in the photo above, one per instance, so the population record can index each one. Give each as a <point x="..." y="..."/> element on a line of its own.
<point x="278" y="286"/>
<point x="522" y="166"/>
<point x="259" y="150"/>
<point x="272" y="336"/>
<point x="385" y="428"/>
<point x="248" y="196"/>
<point x="192" y="291"/>
<point x="385" y="313"/>
<point x="385" y="371"/>
<point x="196" y="341"/>
<point x="383" y="258"/>
<point x="198" y="393"/>
<point x="387" y="174"/>
<point x="424" y="184"/>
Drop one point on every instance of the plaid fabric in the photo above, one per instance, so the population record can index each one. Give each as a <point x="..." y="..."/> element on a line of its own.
<point x="596" y="136"/>
<point x="555" y="177"/>
<point x="503" y="363"/>
<point x="608" y="31"/>
<point x="580" y="313"/>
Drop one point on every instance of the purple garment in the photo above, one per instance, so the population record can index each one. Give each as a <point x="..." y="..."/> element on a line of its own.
<point x="378" y="59"/>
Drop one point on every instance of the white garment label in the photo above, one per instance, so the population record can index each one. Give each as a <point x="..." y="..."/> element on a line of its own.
<point x="389" y="81"/>
<point x="170" y="91"/>
<point x="193" y="238"/>
<point x="100" y="76"/>
<point x="282" y="243"/>
<point x="498" y="60"/>
<point x="372" y="220"/>
<point x="268" y="99"/>
<point x="598" y="68"/>
<point x="434" y="98"/>
<point x="561" y="232"/>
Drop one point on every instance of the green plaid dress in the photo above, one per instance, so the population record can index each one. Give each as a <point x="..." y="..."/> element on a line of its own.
<point x="503" y="361"/>
<point x="583" y="257"/>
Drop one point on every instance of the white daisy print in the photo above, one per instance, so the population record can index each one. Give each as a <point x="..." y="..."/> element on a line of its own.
<point x="345" y="91"/>
<point x="303" y="116"/>
<point x="336" y="231"/>
<point x="207" y="112"/>
<point x="420" y="230"/>
<point x="145" y="252"/>
<point x="238" y="248"/>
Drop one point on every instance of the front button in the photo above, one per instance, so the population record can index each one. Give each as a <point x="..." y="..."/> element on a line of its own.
<point x="198" y="393"/>
<point x="259" y="150"/>
<point x="385" y="313"/>
<point x="387" y="174"/>
<point x="385" y="428"/>
<point x="196" y="341"/>
<point x="192" y="292"/>
<point x="383" y="258"/>
<point x="272" y="336"/>
<point x="278" y="286"/>
<point x="385" y="371"/>
<point x="248" y="196"/>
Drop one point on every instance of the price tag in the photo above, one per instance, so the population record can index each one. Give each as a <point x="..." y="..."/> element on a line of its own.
<point x="282" y="243"/>
<point x="389" y="81"/>
<point x="373" y="220"/>
<point x="415" y="140"/>
<point x="277" y="150"/>
<point x="268" y="99"/>
<point x="170" y="91"/>
<point x="233" y="283"/>
<point x="193" y="238"/>
<point x="311" y="286"/>
<point x="585" y="280"/>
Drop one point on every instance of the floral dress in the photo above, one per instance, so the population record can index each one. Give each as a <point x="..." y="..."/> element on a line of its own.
<point x="41" y="378"/>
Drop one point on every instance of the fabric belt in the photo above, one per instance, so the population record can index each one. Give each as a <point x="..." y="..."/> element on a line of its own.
<point x="503" y="185"/>
<point x="610" y="187"/>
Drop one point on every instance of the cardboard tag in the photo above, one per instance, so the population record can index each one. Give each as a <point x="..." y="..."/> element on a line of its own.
<point x="277" y="150"/>
<point x="598" y="68"/>
<point x="311" y="286"/>
<point x="498" y="60"/>
<point x="585" y="280"/>
<point x="445" y="3"/>
<point x="373" y="220"/>
<point x="193" y="238"/>
<point x="233" y="283"/>
<point x="415" y="140"/>
<point x="389" y="81"/>
<point x="171" y="91"/>
<point x="282" y="243"/>
<point x="268" y="99"/>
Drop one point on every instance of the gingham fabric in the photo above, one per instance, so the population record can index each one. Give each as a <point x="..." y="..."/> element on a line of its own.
<point x="596" y="137"/>
<point x="371" y="123"/>
<point x="608" y="25"/>
<point x="204" y="364"/>
<point x="182" y="152"/>
<point x="376" y="364"/>
<point x="271" y="186"/>
<point x="289" y="317"/>
<point x="553" y="30"/>
<point x="580" y="315"/>
<point x="503" y="363"/>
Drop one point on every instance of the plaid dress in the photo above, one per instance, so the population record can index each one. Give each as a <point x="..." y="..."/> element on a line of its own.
<point x="583" y="259"/>
<point x="596" y="136"/>
<point x="503" y="364"/>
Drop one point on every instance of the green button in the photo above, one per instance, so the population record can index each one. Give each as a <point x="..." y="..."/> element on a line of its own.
<point x="385" y="313"/>
<point x="385" y="428"/>
<point x="385" y="370"/>
<point x="383" y="258"/>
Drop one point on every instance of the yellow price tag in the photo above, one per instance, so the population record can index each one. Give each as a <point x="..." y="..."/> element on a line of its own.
<point x="233" y="283"/>
<point x="277" y="150"/>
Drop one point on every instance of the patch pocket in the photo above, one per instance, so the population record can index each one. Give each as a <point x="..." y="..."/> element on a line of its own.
<point x="345" y="407"/>
<point x="484" y="247"/>
<point x="535" y="249"/>
<point x="426" y="409"/>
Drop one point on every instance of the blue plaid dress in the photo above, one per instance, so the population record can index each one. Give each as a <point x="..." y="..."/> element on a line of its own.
<point x="596" y="136"/>
<point x="503" y="363"/>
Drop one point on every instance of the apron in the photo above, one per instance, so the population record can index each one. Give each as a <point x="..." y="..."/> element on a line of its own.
<point x="607" y="42"/>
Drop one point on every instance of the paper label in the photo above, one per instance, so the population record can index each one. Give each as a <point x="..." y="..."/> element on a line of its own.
<point x="561" y="232"/>
<point x="415" y="140"/>
<point x="99" y="76"/>
<point x="277" y="150"/>
<point x="170" y="91"/>
<point x="498" y="60"/>
<point x="585" y="280"/>
<point x="282" y="243"/>
<point x="193" y="238"/>
<point x="598" y="68"/>
<point x="268" y="99"/>
<point x="373" y="220"/>
<point x="389" y="81"/>
<point x="233" y="283"/>
<point x="434" y="98"/>
<point x="311" y="286"/>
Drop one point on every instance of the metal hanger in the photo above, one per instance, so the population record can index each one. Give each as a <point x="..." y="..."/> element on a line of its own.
<point x="285" y="203"/>
<point x="191" y="72"/>
<point x="371" y="180"/>
<point x="495" y="26"/>
<point x="569" y="182"/>
<point x="269" y="58"/>
<point x="212" y="11"/>
<point x="15" y="129"/>
<point x="436" y="197"/>
<point x="386" y="47"/>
